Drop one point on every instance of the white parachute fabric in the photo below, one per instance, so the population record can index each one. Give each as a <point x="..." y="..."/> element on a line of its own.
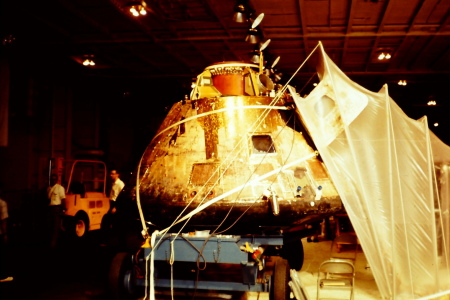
<point x="393" y="177"/>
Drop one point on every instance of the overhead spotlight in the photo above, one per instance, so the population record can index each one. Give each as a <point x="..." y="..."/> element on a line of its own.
<point x="384" y="55"/>
<point x="402" y="82"/>
<point x="137" y="9"/>
<point x="253" y="36"/>
<point x="239" y="13"/>
<point x="431" y="103"/>
<point x="88" y="61"/>
<point x="256" y="56"/>
<point x="7" y="40"/>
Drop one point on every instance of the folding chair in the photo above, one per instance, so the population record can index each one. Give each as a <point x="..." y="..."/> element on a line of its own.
<point x="337" y="277"/>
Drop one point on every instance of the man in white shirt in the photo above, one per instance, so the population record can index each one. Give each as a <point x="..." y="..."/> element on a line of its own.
<point x="56" y="196"/>
<point x="116" y="188"/>
<point x="4" y="265"/>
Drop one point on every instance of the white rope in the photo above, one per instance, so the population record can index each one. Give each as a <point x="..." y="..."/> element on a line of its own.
<point x="240" y="143"/>
<point x="435" y="296"/>
<point x="172" y="259"/>
<point x="221" y="110"/>
<point x="204" y="206"/>
<point x="152" y="266"/>
<point x="230" y="192"/>
<point x="224" y="164"/>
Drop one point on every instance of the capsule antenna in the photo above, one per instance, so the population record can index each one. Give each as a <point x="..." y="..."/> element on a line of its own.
<point x="257" y="20"/>
<point x="264" y="46"/>
<point x="275" y="62"/>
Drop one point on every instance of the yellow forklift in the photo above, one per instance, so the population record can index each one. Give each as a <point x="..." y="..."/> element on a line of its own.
<point x="87" y="203"/>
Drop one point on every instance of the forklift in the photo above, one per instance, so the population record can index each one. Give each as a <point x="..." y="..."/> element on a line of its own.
<point x="87" y="204"/>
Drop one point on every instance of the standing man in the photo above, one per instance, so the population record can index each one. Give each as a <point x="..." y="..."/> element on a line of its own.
<point x="56" y="196"/>
<point x="117" y="186"/>
<point x="4" y="264"/>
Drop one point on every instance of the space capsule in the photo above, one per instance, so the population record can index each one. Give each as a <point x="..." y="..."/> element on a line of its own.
<point x="233" y="158"/>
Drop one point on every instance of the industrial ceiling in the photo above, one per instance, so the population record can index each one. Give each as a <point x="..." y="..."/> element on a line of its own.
<point x="177" y="39"/>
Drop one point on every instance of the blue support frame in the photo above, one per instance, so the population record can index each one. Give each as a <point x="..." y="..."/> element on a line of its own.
<point x="220" y="249"/>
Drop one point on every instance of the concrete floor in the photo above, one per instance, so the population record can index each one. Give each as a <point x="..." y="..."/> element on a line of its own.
<point x="315" y="254"/>
<point x="77" y="270"/>
<point x="365" y="286"/>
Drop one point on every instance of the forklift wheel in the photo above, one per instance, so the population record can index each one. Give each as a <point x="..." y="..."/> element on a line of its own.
<point x="280" y="289"/>
<point x="81" y="225"/>
<point x="120" y="277"/>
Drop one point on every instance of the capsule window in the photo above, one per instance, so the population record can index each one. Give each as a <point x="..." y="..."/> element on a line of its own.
<point x="206" y="81"/>
<point x="262" y="144"/>
<point x="204" y="173"/>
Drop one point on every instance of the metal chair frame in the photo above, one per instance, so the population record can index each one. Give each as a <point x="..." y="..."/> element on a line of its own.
<point x="336" y="274"/>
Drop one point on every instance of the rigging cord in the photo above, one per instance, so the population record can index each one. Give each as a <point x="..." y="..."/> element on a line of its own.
<point x="239" y="144"/>
<point x="203" y="206"/>
<point x="309" y="80"/>
<point x="228" y="159"/>
<point x="253" y="203"/>
<point x="274" y="101"/>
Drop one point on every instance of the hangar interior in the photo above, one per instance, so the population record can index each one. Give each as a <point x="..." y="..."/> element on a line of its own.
<point x="88" y="79"/>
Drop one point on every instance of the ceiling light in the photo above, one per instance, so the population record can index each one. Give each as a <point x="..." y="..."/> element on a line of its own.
<point x="137" y="9"/>
<point x="431" y="102"/>
<point x="88" y="62"/>
<point x="402" y="82"/>
<point x="239" y="13"/>
<point x="8" y="40"/>
<point x="436" y="124"/>
<point x="253" y="36"/>
<point x="384" y="55"/>
<point x="255" y="57"/>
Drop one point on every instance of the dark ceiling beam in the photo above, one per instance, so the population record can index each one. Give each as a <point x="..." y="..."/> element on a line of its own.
<point x="387" y="10"/>
<point x="307" y="74"/>
<point x="440" y="60"/>
<point x="173" y="31"/>
<point x="214" y="36"/>
<point x="148" y="31"/>
<point x="304" y="33"/>
<point x="261" y="25"/>
<point x="348" y="31"/>
<point x="405" y="42"/>
<point x="212" y="6"/>
<point x="104" y="30"/>
<point x="430" y="43"/>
